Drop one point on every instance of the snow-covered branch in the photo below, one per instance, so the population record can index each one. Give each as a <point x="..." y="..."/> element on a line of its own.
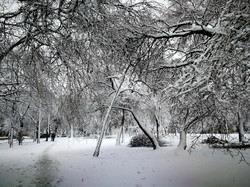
<point x="142" y="127"/>
<point x="195" y="29"/>
<point x="172" y="66"/>
<point x="132" y="90"/>
<point x="104" y="83"/>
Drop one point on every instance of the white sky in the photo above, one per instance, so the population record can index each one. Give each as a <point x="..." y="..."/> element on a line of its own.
<point x="8" y="6"/>
<point x="12" y="5"/>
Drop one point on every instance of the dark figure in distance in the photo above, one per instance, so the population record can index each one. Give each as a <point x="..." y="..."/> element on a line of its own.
<point x="47" y="135"/>
<point x="20" y="138"/>
<point x="53" y="135"/>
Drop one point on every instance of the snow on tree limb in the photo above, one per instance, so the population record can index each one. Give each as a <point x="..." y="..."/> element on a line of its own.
<point x="135" y="91"/>
<point x="172" y="66"/>
<point x="195" y="29"/>
<point x="142" y="127"/>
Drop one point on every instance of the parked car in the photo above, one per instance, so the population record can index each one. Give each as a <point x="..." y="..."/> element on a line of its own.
<point x="43" y="136"/>
<point x="63" y="135"/>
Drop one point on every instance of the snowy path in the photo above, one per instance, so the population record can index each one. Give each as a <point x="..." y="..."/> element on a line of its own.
<point x="27" y="165"/>
<point x="46" y="166"/>
<point x="69" y="163"/>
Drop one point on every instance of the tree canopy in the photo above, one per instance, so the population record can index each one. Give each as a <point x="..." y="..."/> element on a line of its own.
<point x="189" y="58"/>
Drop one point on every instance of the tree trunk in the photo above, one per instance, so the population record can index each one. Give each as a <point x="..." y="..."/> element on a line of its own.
<point x="48" y="128"/>
<point x="47" y="135"/>
<point x="71" y="131"/>
<point x="146" y="131"/>
<point x="183" y="139"/>
<point x="123" y="134"/>
<point x="118" y="137"/>
<point x="175" y="130"/>
<point x="157" y="127"/>
<point x="39" y="122"/>
<point x="104" y="123"/>
<point x="240" y="128"/>
<point x="227" y="131"/>
<point x="11" y="137"/>
<point x="120" y="132"/>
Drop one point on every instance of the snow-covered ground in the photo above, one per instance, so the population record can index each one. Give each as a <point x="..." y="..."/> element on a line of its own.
<point x="69" y="163"/>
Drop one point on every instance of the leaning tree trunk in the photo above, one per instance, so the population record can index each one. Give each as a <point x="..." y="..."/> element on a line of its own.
<point x="146" y="131"/>
<point x="104" y="126"/>
<point x="183" y="139"/>
<point x="157" y="127"/>
<point x="104" y="123"/>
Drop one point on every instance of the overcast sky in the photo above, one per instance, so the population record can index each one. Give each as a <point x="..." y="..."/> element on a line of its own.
<point x="12" y="5"/>
<point x="8" y="6"/>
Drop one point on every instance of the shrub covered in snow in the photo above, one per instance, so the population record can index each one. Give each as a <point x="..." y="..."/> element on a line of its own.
<point x="141" y="140"/>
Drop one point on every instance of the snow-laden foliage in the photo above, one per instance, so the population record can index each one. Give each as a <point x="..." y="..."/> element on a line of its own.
<point x="180" y="67"/>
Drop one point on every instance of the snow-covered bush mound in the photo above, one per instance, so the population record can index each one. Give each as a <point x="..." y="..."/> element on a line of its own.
<point x="141" y="140"/>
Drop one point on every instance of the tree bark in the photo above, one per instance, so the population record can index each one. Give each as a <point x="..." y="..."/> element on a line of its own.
<point x="48" y="128"/>
<point x="143" y="128"/>
<point x="39" y="122"/>
<point x="183" y="139"/>
<point x="104" y="123"/>
<point x="157" y="127"/>
<point x="123" y="134"/>
<point x="47" y="131"/>
<point x="120" y="132"/>
<point x="240" y="128"/>
<point x="71" y="131"/>
<point x="118" y="137"/>
<point x="11" y="137"/>
<point x="146" y="131"/>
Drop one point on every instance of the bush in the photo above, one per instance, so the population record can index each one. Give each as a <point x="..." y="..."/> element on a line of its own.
<point x="214" y="140"/>
<point x="141" y="140"/>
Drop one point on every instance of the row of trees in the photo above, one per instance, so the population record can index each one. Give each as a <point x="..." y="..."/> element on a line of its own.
<point x="76" y="63"/>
